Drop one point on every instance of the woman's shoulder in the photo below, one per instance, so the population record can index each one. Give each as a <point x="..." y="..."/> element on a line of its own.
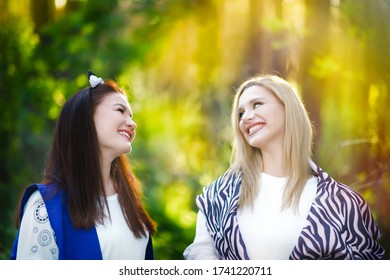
<point x="229" y="178"/>
<point x="223" y="189"/>
<point x="226" y="185"/>
<point x="35" y="193"/>
<point x="336" y="190"/>
<point x="34" y="198"/>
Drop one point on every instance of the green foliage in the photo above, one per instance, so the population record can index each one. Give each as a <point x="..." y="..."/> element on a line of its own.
<point x="23" y="119"/>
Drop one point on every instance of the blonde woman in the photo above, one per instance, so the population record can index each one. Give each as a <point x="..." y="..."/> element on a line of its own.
<point x="274" y="202"/>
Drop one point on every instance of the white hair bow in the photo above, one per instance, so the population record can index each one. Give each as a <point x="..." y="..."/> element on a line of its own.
<point x="94" y="80"/>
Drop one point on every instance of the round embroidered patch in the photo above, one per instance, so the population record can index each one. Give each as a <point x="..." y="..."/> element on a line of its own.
<point x="40" y="213"/>
<point x="44" y="238"/>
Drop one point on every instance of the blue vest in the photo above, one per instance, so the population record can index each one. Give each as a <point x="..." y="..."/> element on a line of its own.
<point x="73" y="243"/>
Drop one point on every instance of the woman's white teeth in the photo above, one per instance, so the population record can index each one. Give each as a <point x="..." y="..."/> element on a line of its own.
<point x="253" y="128"/>
<point x="124" y="134"/>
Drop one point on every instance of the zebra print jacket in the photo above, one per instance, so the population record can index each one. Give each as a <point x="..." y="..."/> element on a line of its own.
<point x="339" y="225"/>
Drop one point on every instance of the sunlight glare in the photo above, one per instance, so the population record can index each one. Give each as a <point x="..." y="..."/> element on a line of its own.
<point x="60" y="4"/>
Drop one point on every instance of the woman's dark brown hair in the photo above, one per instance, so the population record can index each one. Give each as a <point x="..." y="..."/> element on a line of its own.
<point x="74" y="166"/>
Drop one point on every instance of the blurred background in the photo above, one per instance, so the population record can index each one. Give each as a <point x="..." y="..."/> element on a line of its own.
<point x="181" y="61"/>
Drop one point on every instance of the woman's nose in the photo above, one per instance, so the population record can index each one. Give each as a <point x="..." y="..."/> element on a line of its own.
<point x="248" y="115"/>
<point x="130" y="122"/>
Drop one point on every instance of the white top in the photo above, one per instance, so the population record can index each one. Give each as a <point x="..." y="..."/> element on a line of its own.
<point x="117" y="241"/>
<point x="203" y="246"/>
<point x="267" y="231"/>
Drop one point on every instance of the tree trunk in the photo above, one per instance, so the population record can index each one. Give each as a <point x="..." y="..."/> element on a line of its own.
<point x="254" y="61"/>
<point x="42" y="11"/>
<point x="315" y="46"/>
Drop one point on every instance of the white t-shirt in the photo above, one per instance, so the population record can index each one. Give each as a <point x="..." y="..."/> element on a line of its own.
<point x="36" y="237"/>
<point x="267" y="231"/>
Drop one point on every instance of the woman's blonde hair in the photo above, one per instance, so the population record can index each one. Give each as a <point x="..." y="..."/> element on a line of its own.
<point x="297" y="143"/>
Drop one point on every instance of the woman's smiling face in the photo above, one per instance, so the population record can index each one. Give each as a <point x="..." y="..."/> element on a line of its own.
<point x="261" y="118"/>
<point x="114" y="125"/>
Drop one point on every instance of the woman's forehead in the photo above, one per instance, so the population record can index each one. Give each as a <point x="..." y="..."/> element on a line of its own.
<point x="254" y="92"/>
<point x="116" y="98"/>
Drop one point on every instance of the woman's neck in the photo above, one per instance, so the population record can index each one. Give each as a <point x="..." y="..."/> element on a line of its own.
<point x="108" y="183"/>
<point x="273" y="164"/>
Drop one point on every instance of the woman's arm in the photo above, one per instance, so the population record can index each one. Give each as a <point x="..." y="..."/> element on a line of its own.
<point x="36" y="236"/>
<point x="203" y="246"/>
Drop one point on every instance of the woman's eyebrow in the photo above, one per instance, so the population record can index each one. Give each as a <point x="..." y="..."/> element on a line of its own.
<point x="124" y="107"/>
<point x="120" y="104"/>
<point x="251" y="101"/>
<point x="257" y="99"/>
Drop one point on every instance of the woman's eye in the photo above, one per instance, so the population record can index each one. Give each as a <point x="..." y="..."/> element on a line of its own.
<point x="240" y="115"/>
<point x="121" y="110"/>
<point x="257" y="104"/>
